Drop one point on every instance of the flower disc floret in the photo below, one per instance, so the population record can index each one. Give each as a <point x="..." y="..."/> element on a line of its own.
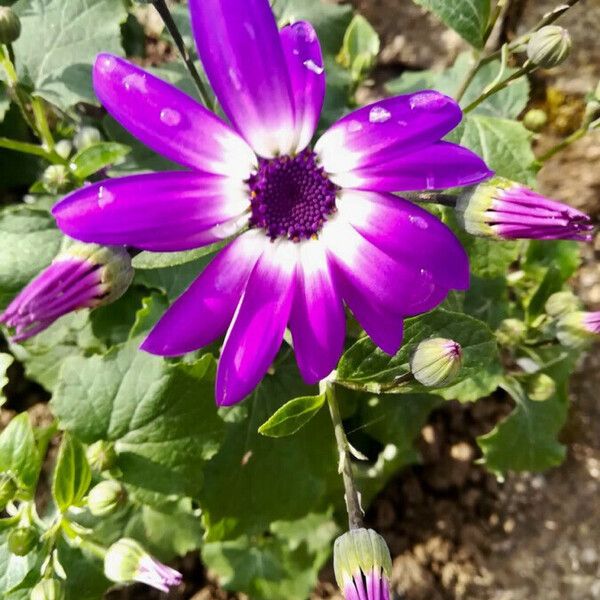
<point x="291" y="196"/>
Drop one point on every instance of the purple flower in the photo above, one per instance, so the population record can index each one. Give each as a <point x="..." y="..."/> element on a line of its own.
<point x="126" y="561"/>
<point x="83" y="276"/>
<point x="323" y="228"/>
<point x="505" y="209"/>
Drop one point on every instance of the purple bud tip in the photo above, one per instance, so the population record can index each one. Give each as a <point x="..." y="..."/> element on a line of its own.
<point x="591" y="322"/>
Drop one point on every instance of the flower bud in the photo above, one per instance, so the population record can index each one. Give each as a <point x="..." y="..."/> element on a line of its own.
<point x="56" y="178"/>
<point x="562" y="303"/>
<point x="63" y="148"/>
<point x="8" y="489"/>
<point x="48" y="589"/>
<point x="101" y="455"/>
<point x="436" y="362"/>
<point x="10" y="25"/>
<point x="540" y="387"/>
<point x="535" y="119"/>
<point x="127" y="561"/>
<point x="83" y="276"/>
<point x="362" y="565"/>
<point x="86" y="137"/>
<point x="503" y="209"/>
<point x="578" y="328"/>
<point x="106" y="497"/>
<point x="549" y="46"/>
<point x="511" y="332"/>
<point x="22" y="540"/>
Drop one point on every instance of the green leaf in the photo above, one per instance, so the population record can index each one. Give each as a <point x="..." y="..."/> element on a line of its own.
<point x="29" y="240"/>
<point x="72" y="474"/>
<point x="99" y="156"/>
<point x="469" y="18"/>
<point x="5" y="361"/>
<point x="365" y="365"/>
<point x="13" y="569"/>
<point x="161" y="417"/>
<point x="59" y="43"/>
<point x="160" y="260"/>
<point x="19" y="453"/>
<point x="292" y="416"/>
<point x="503" y="144"/>
<point x="360" y="47"/>
<point x="526" y="439"/>
<point x="246" y="480"/>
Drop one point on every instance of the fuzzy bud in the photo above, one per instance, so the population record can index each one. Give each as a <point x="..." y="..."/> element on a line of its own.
<point x="362" y="565"/>
<point x="503" y="209"/>
<point x="48" y="589"/>
<point x="63" y="148"/>
<point x="10" y="25"/>
<point x="86" y="137"/>
<point x="8" y="489"/>
<point x="105" y="498"/>
<point x="549" y="46"/>
<point x="101" y="455"/>
<point x="56" y="178"/>
<point x="578" y="328"/>
<point x="562" y="303"/>
<point x="535" y="119"/>
<point x="127" y="561"/>
<point x="436" y="362"/>
<point x="22" y="540"/>
<point x="541" y="387"/>
<point x="511" y="332"/>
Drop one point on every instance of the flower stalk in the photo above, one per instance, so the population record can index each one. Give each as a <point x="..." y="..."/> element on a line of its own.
<point x="353" y="507"/>
<point x="167" y="17"/>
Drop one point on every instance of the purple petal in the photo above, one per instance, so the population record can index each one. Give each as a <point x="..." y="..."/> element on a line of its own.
<point x="408" y="234"/>
<point x="439" y="166"/>
<point x="169" y="121"/>
<point x="256" y="333"/>
<point x="239" y="46"/>
<point x="304" y="59"/>
<point x="379" y="131"/>
<point x="395" y="286"/>
<point x="203" y="312"/>
<point x="317" y="320"/>
<point x="155" y="211"/>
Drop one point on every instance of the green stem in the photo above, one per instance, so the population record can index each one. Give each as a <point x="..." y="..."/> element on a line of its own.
<point x="41" y="121"/>
<point x="524" y="70"/>
<point x="27" y="148"/>
<point x="576" y="135"/>
<point x="355" y="513"/>
<point x="165" y="13"/>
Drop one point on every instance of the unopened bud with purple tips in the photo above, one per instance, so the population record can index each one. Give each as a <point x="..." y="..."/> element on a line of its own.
<point x="126" y="561"/>
<point x="83" y="276"/>
<point x="578" y="328"/>
<point x="362" y="565"/>
<point x="503" y="209"/>
<point x="436" y="362"/>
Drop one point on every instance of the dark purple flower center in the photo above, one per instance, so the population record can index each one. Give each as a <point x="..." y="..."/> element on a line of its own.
<point x="291" y="196"/>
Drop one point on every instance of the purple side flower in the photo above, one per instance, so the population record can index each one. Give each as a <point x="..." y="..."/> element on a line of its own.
<point x="504" y="209"/>
<point x="83" y="276"/>
<point x="362" y="565"/>
<point x="127" y="561"/>
<point x="319" y="228"/>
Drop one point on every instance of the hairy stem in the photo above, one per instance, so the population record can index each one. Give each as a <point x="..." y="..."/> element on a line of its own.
<point x="576" y="135"/>
<point x="41" y="121"/>
<point x="165" y="13"/>
<point x="432" y="198"/>
<point x="27" y="148"/>
<point x="355" y="513"/>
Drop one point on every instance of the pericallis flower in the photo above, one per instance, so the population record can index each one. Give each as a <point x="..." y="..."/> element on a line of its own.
<point x="320" y="226"/>
<point x="362" y="565"/>
<point x="577" y="328"/>
<point x="504" y="209"/>
<point x="127" y="561"/>
<point x="83" y="276"/>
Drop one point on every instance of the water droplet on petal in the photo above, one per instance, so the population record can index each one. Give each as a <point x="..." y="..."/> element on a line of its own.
<point x="250" y="29"/>
<point x="135" y="81"/>
<point x="378" y="114"/>
<point x="419" y="222"/>
<point x="354" y="126"/>
<point x="106" y="64"/>
<point x="304" y="32"/>
<point x="430" y="182"/>
<point x="170" y="117"/>
<point x="104" y="197"/>
<point x="428" y="100"/>
<point x="402" y="123"/>
<point x="235" y="79"/>
<point x="311" y="65"/>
